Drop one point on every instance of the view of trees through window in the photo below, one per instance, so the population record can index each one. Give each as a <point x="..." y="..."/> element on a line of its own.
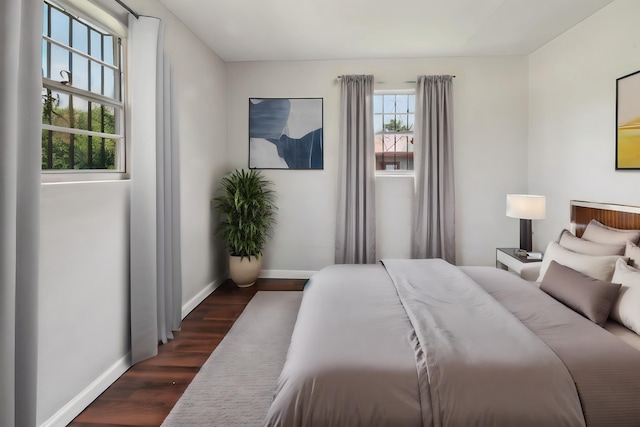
<point x="393" y="127"/>
<point x="81" y="95"/>
<point x="64" y="150"/>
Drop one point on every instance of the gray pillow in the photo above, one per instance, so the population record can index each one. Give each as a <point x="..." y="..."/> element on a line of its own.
<point x="569" y="241"/>
<point x="590" y="297"/>
<point x="597" y="232"/>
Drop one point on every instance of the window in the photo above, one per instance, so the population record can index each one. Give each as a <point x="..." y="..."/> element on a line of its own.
<point x="393" y="127"/>
<point x="82" y="109"/>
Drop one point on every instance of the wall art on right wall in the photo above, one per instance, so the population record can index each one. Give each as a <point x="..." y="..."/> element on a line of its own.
<point x="628" y="121"/>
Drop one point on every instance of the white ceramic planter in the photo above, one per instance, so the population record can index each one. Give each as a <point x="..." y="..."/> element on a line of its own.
<point x="244" y="272"/>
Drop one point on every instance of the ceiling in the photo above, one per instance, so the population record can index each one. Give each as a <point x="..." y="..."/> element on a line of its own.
<point x="262" y="30"/>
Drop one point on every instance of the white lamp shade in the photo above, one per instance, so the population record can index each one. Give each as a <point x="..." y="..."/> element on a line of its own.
<point x="526" y="206"/>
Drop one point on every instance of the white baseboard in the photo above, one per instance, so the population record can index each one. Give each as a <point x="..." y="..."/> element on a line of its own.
<point x="75" y="406"/>
<point x="200" y="296"/>
<point x="286" y="274"/>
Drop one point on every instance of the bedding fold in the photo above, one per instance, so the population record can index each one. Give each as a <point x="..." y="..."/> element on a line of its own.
<point x="482" y="364"/>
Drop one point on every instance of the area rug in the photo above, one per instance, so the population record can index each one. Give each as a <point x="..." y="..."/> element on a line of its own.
<point x="235" y="385"/>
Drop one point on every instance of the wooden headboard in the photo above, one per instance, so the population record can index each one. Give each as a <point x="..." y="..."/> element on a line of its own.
<point x="618" y="216"/>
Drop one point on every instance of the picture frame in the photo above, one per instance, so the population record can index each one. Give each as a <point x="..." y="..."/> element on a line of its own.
<point x="628" y="122"/>
<point x="286" y="133"/>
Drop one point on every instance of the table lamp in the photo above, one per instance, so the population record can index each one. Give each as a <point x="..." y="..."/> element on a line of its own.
<point x="526" y="207"/>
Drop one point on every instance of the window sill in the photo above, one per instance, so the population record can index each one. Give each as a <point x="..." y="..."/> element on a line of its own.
<point x="389" y="174"/>
<point x="50" y="177"/>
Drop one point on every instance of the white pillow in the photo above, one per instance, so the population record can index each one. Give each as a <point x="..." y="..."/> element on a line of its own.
<point x="587" y="247"/>
<point x="597" y="232"/>
<point x="626" y="309"/>
<point x="598" y="267"/>
<point x="632" y="252"/>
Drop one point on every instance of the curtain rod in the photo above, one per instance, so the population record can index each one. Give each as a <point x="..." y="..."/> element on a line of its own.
<point x="407" y="81"/>
<point x="128" y="9"/>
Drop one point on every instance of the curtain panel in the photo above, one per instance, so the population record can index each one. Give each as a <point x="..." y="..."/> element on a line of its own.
<point x="20" y="157"/>
<point x="355" y="221"/>
<point x="434" y="202"/>
<point x="156" y="288"/>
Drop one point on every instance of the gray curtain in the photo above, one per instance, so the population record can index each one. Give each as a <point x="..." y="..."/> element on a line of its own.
<point x="20" y="157"/>
<point x="156" y="287"/>
<point x="434" y="202"/>
<point x="355" y="222"/>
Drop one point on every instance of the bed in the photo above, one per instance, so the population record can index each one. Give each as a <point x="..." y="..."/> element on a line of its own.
<point x="424" y="343"/>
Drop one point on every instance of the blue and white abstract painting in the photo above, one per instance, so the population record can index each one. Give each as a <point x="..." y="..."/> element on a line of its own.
<point x="285" y="133"/>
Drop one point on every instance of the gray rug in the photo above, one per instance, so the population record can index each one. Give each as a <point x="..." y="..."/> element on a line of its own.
<point x="235" y="385"/>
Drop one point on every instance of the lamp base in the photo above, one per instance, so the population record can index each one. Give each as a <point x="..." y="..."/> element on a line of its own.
<point x="526" y="241"/>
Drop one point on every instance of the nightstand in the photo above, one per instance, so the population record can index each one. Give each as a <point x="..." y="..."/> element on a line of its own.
<point x="507" y="259"/>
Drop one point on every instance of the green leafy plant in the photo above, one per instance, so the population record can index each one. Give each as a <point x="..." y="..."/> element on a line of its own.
<point x="247" y="206"/>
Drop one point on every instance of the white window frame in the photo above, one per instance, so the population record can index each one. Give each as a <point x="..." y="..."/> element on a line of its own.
<point x="402" y="172"/>
<point x="94" y="18"/>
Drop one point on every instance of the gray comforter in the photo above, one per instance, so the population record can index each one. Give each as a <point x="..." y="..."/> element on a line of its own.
<point x="421" y="343"/>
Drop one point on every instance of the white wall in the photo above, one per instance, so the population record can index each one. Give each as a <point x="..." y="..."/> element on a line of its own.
<point x="83" y="298"/>
<point x="394" y="199"/>
<point x="572" y="106"/>
<point x="490" y="132"/>
<point x="84" y="295"/>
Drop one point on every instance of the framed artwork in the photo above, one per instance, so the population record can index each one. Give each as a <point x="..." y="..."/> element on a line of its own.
<point x="286" y="133"/>
<point x="628" y="121"/>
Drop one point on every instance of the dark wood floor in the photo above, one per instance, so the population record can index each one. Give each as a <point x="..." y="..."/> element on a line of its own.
<point x="145" y="394"/>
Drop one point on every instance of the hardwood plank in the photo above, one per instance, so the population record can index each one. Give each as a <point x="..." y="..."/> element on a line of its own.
<point x="145" y="394"/>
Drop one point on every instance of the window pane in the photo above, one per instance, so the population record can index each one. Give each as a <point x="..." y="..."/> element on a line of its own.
<point x="103" y="118"/>
<point x="45" y="52"/>
<point x="377" y="124"/>
<point x="55" y="150"/>
<point x="48" y="103"/>
<point x="396" y="122"/>
<point x="96" y="78"/>
<point x="80" y="72"/>
<point x="59" y="62"/>
<point x="96" y="45"/>
<point x="402" y="123"/>
<point x="108" y="50"/>
<point x="80" y="113"/>
<point x="45" y="20"/>
<point x="59" y="26"/>
<point x="377" y="103"/>
<point x="110" y="149"/>
<point x="389" y="103"/>
<point x="109" y="83"/>
<point x="80" y="36"/>
<point x="410" y="119"/>
<point x="389" y="122"/>
<point x="412" y="103"/>
<point x="401" y="103"/>
<point x="55" y="108"/>
<point x="103" y="153"/>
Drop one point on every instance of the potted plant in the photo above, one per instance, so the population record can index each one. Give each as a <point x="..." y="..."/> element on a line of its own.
<point x="247" y="206"/>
